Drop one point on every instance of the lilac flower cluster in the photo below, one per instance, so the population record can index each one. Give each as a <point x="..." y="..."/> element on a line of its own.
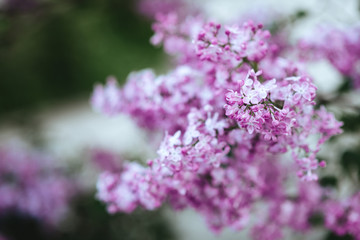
<point x="235" y="129"/>
<point x="341" y="47"/>
<point x="30" y="184"/>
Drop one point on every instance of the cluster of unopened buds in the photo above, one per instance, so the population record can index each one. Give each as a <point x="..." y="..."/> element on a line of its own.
<point x="239" y="122"/>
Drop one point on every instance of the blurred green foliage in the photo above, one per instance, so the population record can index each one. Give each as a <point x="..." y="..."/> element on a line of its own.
<point x="350" y="162"/>
<point x="93" y="223"/>
<point x="333" y="236"/>
<point x="351" y="122"/>
<point x="59" y="49"/>
<point x="328" y="181"/>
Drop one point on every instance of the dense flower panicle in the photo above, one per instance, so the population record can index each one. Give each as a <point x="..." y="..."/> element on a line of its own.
<point x="341" y="47"/>
<point x="29" y="184"/>
<point x="282" y="112"/>
<point x="232" y="113"/>
<point x="193" y="170"/>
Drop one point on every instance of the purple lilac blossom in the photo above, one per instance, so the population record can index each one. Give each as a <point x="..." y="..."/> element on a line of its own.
<point x="238" y="122"/>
